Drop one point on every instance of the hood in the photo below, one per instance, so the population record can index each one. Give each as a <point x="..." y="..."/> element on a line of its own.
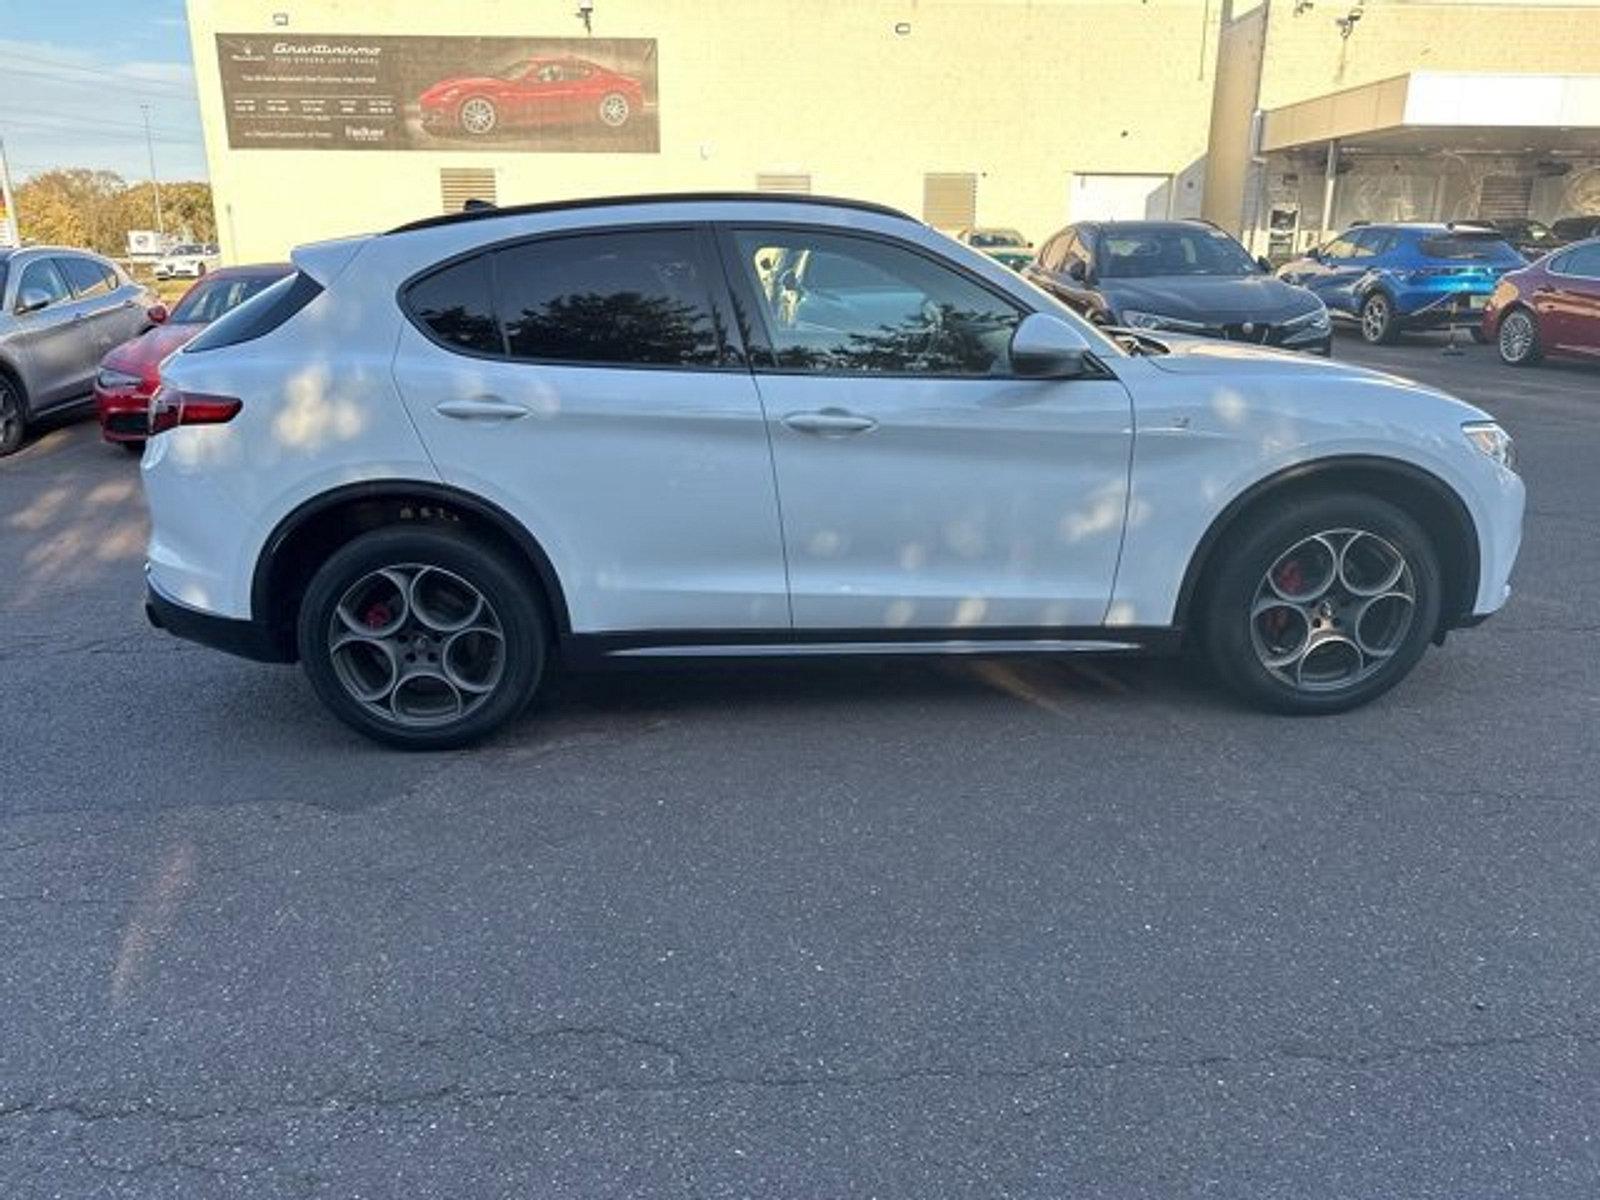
<point x="446" y="88"/>
<point x="1210" y="298"/>
<point x="141" y="355"/>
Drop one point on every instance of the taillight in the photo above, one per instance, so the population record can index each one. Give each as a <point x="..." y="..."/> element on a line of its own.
<point x="170" y="408"/>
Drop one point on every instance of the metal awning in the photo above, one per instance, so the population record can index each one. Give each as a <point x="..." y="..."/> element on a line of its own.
<point x="1427" y="111"/>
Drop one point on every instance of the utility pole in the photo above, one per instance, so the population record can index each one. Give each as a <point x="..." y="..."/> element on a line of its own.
<point x="10" y="225"/>
<point x="150" y="145"/>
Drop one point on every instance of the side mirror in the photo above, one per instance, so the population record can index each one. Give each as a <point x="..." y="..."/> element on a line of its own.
<point x="1264" y="263"/>
<point x="1079" y="270"/>
<point x="157" y="314"/>
<point x="1314" y="254"/>
<point x="32" y="300"/>
<point x="1046" y="347"/>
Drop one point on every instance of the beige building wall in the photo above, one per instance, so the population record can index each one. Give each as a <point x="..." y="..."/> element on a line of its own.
<point x="1024" y="93"/>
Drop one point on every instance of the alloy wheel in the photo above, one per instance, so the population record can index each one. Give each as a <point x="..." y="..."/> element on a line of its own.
<point x="1375" y="319"/>
<point x="1332" y="610"/>
<point x="1516" y="337"/>
<point x="614" y="110"/>
<point x="478" y="116"/>
<point x="416" y="645"/>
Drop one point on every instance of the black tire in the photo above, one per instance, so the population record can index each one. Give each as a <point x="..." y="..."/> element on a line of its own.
<point x="1518" y="342"/>
<point x="512" y="599"/>
<point x="133" y="448"/>
<point x="614" y="111"/>
<point x="13" y="415"/>
<point x="1230" y="638"/>
<point x="1478" y="335"/>
<point x="1378" y="324"/>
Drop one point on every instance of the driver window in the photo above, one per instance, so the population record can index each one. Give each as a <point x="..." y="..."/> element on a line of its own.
<point x="839" y="303"/>
<point x="1343" y="247"/>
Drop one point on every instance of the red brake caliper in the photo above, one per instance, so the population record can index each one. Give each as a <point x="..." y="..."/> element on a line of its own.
<point x="377" y="616"/>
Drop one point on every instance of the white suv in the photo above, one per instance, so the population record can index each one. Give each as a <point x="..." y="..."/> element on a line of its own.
<point x="434" y="462"/>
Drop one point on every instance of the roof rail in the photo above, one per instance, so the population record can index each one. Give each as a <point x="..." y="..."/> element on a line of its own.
<point x="516" y="210"/>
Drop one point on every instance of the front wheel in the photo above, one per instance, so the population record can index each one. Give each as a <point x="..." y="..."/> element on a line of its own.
<point x="478" y="116"/>
<point x="420" y="638"/>
<point x="1518" y="342"/>
<point x="1324" y="605"/>
<point x="1378" y="324"/>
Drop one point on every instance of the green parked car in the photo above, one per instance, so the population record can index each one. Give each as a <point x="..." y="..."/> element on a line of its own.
<point x="1004" y="245"/>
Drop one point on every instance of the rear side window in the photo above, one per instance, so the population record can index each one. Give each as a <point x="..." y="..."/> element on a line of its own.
<point x="87" y="277"/>
<point x="259" y="315"/>
<point x="634" y="298"/>
<point x="456" y="304"/>
<point x="1583" y="262"/>
<point x="1469" y="247"/>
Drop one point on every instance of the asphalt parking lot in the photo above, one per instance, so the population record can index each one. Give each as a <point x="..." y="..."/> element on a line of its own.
<point x="1046" y="929"/>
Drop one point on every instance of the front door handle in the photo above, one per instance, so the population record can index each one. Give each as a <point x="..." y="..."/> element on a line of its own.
<point x="481" y="408"/>
<point x="829" y="422"/>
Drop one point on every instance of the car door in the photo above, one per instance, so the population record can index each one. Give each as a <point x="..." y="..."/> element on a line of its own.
<point x="1568" y="301"/>
<point x="107" y="316"/>
<point x="588" y="384"/>
<point x="546" y="97"/>
<point x="1333" y="274"/>
<point x="49" y="339"/>
<point x="922" y="486"/>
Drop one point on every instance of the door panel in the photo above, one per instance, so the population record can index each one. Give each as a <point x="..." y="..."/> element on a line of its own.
<point x="649" y="485"/>
<point x="52" y="340"/>
<point x="921" y="486"/>
<point x="1568" y="302"/>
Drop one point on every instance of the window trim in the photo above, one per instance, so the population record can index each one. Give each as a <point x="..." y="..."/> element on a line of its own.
<point x="106" y="276"/>
<point x="731" y="350"/>
<point x="763" y="359"/>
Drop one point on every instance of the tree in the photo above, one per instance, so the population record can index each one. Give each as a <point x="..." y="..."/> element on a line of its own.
<point x="96" y="209"/>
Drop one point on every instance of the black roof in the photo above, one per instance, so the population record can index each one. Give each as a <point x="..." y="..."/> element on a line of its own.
<point x="517" y="210"/>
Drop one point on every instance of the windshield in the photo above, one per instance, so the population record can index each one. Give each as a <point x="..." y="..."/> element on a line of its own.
<point x="1470" y="247"/>
<point x="1144" y="253"/>
<point x="209" y="299"/>
<point x="993" y="239"/>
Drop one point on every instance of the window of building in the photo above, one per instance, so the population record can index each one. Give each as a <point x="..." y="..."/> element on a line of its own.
<point x="627" y="298"/>
<point x="85" y="276"/>
<point x="41" y="275"/>
<point x="456" y="305"/>
<point x="950" y="201"/>
<point x="853" y="304"/>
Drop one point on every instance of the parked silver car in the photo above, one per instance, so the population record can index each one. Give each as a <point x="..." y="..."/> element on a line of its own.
<point x="60" y="311"/>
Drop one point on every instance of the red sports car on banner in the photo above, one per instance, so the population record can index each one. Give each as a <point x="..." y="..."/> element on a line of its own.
<point x="537" y="92"/>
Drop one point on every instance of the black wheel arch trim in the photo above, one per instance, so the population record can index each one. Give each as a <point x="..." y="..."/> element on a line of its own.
<point x="1453" y="615"/>
<point x="401" y="490"/>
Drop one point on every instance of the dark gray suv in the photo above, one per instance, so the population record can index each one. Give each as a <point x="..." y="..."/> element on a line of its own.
<point x="60" y="311"/>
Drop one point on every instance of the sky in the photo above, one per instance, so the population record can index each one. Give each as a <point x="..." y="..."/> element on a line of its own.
<point x="73" y="74"/>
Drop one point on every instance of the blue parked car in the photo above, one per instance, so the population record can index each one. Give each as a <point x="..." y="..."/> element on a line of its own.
<point x="1393" y="277"/>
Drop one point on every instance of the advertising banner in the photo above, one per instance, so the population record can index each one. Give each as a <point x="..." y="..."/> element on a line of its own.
<point x="352" y="92"/>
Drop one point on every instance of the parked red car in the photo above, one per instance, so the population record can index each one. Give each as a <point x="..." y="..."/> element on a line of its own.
<point x="1551" y="307"/>
<point x="129" y="374"/>
<point x="537" y="92"/>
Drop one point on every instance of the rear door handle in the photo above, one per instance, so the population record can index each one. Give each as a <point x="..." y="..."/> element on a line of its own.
<point x="829" y="422"/>
<point x="481" y="408"/>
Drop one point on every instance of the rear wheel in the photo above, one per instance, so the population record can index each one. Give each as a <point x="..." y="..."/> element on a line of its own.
<point x="1324" y="605"/>
<point x="615" y="110"/>
<point x="1378" y="325"/>
<point x="422" y="639"/>
<point x="1518" y="342"/>
<point x="13" y="416"/>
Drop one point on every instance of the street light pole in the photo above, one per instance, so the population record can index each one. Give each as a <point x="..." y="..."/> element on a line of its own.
<point x="10" y="224"/>
<point x="155" y="184"/>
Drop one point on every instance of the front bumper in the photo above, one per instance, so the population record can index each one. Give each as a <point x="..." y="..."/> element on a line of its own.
<point x="246" y="639"/>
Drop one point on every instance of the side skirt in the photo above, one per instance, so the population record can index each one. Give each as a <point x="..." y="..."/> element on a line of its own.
<point x="592" y="650"/>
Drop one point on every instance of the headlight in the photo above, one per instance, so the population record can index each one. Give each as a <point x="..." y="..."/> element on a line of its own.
<point x="1488" y="437"/>
<point x="111" y="380"/>
<point x="1316" y="319"/>
<point x="1135" y="319"/>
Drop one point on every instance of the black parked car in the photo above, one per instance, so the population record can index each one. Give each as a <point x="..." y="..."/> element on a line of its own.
<point x="1531" y="239"/>
<point x="1181" y="277"/>
<point x="1576" y="229"/>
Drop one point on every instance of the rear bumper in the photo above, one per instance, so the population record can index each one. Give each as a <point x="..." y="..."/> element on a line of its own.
<point x="246" y="639"/>
<point x="124" y="414"/>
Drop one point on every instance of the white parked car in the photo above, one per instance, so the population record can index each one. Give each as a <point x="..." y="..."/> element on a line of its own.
<point x="434" y="463"/>
<point x="188" y="261"/>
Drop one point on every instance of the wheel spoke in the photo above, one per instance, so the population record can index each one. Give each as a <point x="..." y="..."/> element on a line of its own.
<point x="473" y="659"/>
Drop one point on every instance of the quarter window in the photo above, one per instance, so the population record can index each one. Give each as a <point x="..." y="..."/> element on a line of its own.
<point x="625" y="298"/>
<point x="1583" y="262"/>
<point x="455" y="304"/>
<point x="860" y="305"/>
<point x="41" y="276"/>
<point x="85" y="276"/>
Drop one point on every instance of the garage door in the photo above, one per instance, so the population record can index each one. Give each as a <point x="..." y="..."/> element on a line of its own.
<point x="1120" y="197"/>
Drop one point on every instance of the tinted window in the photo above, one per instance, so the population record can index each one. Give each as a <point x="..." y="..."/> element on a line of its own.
<point x="1583" y="262"/>
<point x="630" y="298"/>
<point x="455" y="304"/>
<point x="210" y="298"/>
<point x="259" y="315"/>
<point x="85" y="276"/>
<point x="1372" y="242"/>
<point x="1469" y="247"/>
<point x="41" y="275"/>
<point x="1344" y="247"/>
<point x="1171" y="250"/>
<point x="857" y="304"/>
